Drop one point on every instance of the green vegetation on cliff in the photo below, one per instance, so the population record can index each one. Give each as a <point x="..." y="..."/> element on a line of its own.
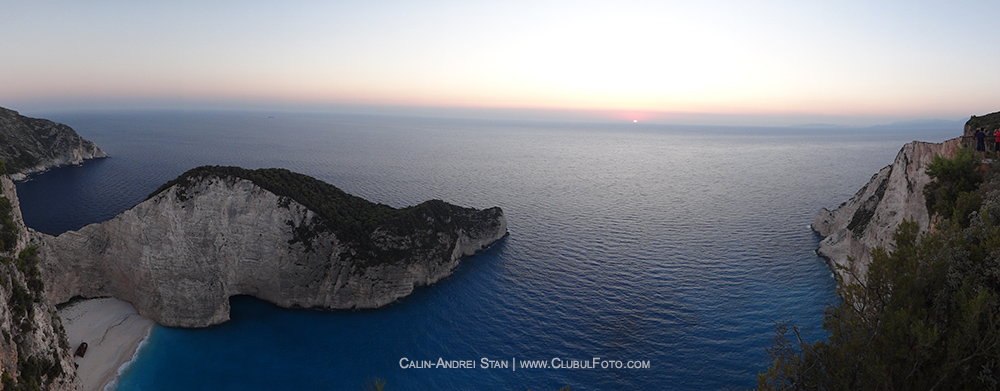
<point x="32" y="144"/>
<point x="352" y="219"/>
<point x="987" y="122"/>
<point x="928" y="314"/>
<point x="21" y="300"/>
<point x="952" y="193"/>
<point x="349" y="216"/>
<point x="33" y="372"/>
<point x="8" y="230"/>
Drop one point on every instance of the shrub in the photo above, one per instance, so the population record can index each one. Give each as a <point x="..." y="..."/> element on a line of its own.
<point x="8" y="230"/>
<point x="27" y="264"/>
<point x="928" y="314"/>
<point x="951" y="179"/>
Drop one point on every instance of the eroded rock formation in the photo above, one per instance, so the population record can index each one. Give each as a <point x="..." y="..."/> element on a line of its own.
<point x="180" y="255"/>
<point x="871" y="216"/>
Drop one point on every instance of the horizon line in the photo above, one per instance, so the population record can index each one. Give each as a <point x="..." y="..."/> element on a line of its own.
<point x="793" y="120"/>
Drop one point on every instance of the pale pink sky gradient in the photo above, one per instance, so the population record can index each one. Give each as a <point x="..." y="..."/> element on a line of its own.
<point x="848" y="62"/>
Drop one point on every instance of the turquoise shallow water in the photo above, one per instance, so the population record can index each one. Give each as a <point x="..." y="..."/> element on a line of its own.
<point x="680" y="246"/>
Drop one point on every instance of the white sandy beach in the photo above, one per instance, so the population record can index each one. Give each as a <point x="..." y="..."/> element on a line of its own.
<point x="112" y="330"/>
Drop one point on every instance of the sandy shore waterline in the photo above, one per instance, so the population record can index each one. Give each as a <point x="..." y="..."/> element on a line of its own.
<point x="113" y="331"/>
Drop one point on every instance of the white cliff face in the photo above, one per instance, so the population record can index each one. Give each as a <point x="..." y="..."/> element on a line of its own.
<point x="869" y="219"/>
<point x="8" y="190"/>
<point x="180" y="255"/>
<point x="31" y="330"/>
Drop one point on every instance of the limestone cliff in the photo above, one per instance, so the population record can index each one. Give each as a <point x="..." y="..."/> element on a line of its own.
<point x="216" y="232"/>
<point x="30" y="145"/>
<point x="34" y="351"/>
<point x="871" y="216"/>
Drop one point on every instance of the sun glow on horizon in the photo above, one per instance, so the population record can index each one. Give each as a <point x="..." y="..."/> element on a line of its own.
<point x="659" y="59"/>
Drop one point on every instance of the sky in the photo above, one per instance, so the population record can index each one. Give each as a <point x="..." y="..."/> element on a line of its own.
<point x="694" y="62"/>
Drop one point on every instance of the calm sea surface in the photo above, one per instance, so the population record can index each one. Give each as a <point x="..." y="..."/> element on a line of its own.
<point x="680" y="246"/>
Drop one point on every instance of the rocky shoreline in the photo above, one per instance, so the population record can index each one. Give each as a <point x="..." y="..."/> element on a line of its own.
<point x="179" y="256"/>
<point x="869" y="219"/>
<point x="33" y="145"/>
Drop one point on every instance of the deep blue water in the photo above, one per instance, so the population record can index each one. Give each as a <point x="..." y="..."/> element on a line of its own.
<point x="680" y="246"/>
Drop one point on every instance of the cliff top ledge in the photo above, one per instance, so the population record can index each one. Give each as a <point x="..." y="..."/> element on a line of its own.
<point x="351" y="218"/>
<point x="894" y="194"/>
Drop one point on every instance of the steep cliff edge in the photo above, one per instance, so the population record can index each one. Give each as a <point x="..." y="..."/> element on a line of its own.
<point x="30" y="145"/>
<point x="870" y="217"/>
<point x="34" y="351"/>
<point x="295" y="241"/>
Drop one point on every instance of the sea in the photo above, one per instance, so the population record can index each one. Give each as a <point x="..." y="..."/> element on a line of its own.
<point x="640" y="256"/>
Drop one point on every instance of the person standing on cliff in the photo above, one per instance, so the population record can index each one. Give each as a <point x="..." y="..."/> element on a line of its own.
<point x="996" y="142"/>
<point x="981" y="142"/>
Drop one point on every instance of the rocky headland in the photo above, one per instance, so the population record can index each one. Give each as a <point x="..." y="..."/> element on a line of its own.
<point x="217" y="232"/>
<point x="31" y="145"/>
<point x="178" y="256"/>
<point x="894" y="194"/>
<point x="870" y="217"/>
